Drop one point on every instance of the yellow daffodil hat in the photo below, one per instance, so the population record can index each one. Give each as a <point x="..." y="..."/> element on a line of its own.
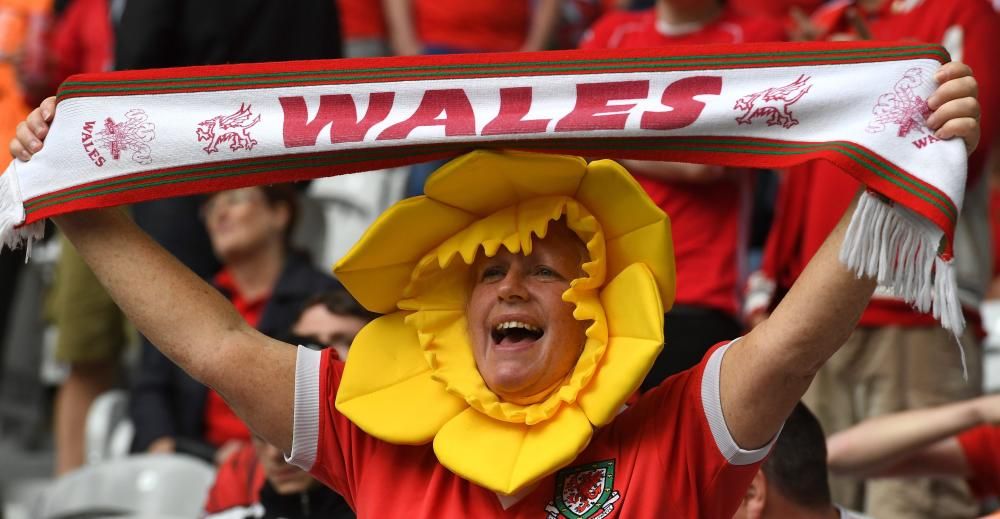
<point x="412" y="378"/>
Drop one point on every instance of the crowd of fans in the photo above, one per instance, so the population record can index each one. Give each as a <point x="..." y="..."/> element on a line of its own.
<point x="740" y="241"/>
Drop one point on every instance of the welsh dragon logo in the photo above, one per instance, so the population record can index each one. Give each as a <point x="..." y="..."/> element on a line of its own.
<point x="902" y="106"/>
<point x="233" y="128"/>
<point x="584" y="492"/>
<point x="773" y="103"/>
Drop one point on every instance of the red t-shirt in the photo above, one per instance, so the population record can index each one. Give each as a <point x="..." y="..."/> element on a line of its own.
<point x="361" y="19"/>
<point x="670" y="455"/>
<point x="82" y="40"/>
<point x="709" y="221"/>
<point x="221" y="423"/>
<point x="474" y="26"/>
<point x="237" y="484"/>
<point x="981" y="446"/>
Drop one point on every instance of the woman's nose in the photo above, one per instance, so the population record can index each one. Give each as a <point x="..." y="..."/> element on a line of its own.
<point x="512" y="287"/>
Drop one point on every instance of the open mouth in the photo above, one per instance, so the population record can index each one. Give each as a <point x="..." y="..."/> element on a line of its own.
<point x="513" y="332"/>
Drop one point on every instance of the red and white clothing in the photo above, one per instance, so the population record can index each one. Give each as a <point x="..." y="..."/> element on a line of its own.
<point x="981" y="446"/>
<point x="814" y="196"/>
<point x="670" y="454"/>
<point x="473" y="26"/>
<point x="241" y="491"/>
<point x="639" y="29"/>
<point x="236" y="491"/>
<point x="709" y="221"/>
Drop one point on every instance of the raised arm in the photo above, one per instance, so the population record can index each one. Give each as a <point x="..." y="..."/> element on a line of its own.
<point x="402" y="30"/>
<point x="911" y="443"/>
<point x="766" y="373"/>
<point x="544" y="20"/>
<point x="188" y="320"/>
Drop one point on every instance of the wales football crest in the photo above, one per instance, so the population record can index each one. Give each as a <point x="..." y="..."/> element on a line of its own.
<point x="584" y="492"/>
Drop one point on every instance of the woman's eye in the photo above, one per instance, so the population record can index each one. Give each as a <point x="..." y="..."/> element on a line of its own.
<point x="492" y="273"/>
<point x="545" y="272"/>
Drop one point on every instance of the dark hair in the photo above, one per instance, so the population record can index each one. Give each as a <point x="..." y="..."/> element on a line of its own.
<point x="340" y="302"/>
<point x="289" y="196"/>
<point x="797" y="464"/>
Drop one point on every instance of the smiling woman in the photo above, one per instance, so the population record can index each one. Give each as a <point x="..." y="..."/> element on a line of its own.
<point x="498" y="313"/>
<point x="524" y="337"/>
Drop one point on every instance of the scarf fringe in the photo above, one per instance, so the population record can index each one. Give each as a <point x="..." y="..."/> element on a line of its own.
<point x="12" y="216"/>
<point x="900" y="250"/>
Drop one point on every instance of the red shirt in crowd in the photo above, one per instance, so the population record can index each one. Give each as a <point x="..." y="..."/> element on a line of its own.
<point x="709" y="221"/>
<point x="474" y="26"/>
<point x="669" y="455"/>
<point x="82" y="40"/>
<point x="361" y="19"/>
<point x="813" y="196"/>
<point x="981" y="446"/>
<point x="237" y="484"/>
<point x="221" y="423"/>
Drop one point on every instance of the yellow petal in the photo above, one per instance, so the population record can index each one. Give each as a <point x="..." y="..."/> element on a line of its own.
<point x="387" y="388"/>
<point x="505" y="457"/>
<point x="378" y="267"/>
<point x="483" y="182"/>
<point x="635" y="326"/>
<point x="647" y="245"/>
<point x="636" y="229"/>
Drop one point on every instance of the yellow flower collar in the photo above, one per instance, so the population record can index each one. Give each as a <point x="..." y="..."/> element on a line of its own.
<point x="412" y="378"/>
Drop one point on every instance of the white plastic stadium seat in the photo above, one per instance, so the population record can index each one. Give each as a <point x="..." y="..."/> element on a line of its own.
<point x="145" y="485"/>
<point x="107" y="422"/>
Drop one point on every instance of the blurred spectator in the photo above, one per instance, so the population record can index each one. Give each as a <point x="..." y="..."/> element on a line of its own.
<point x="256" y="482"/>
<point x="363" y="25"/>
<point x="266" y="281"/>
<point x="698" y="198"/>
<point x="577" y="17"/>
<point x="993" y="171"/>
<point x="165" y="33"/>
<point x="172" y="33"/>
<point x="789" y="12"/>
<point x="898" y="358"/>
<point x="22" y="25"/>
<point x="81" y="40"/>
<point x="960" y="439"/>
<point x="92" y="332"/>
<point x="792" y="482"/>
<point x="461" y="26"/>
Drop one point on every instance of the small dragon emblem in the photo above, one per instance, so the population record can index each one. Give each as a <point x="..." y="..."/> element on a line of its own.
<point x="233" y="128"/>
<point x="773" y="103"/>
<point x="902" y="106"/>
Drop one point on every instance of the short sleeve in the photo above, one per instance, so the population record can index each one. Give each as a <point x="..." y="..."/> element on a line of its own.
<point x="981" y="446"/>
<point x="323" y="440"/>
<point x="682" y="422"/>
<point x="711" y="400"/>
